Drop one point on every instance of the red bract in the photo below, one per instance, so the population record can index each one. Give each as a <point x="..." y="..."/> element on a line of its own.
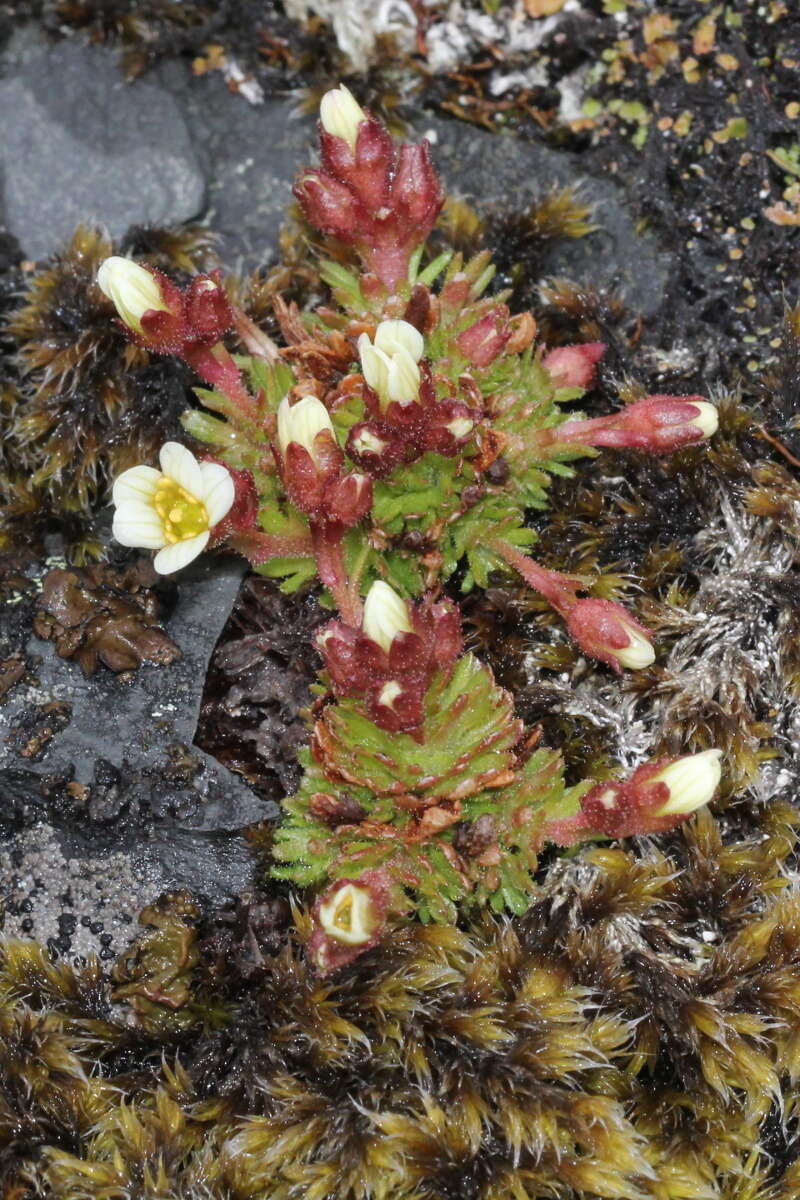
<point x="379" y="197"/>
<point x="393" y="682"/>
<point x="574" y="366"/>
<point x="487" y="338"/>
<point x="657" y="424"/>
<point x="607" y="631"/>
<point x="194" y="318"/>
<point x="348" y="918"/>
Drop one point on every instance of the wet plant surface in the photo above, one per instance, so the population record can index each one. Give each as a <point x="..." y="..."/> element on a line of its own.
<point x="635" y="1034"/>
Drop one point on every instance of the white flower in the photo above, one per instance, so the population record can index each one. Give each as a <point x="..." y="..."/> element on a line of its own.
<point x="638" y="653"/>
<point x="348" y="916"/>
<point x="707" y="419"/>
<point x="460" y="427"/>
<point x="385" y="615"/>
<point x="131" y="288"/>
<point x="172" y="510"/>
<point x="302" y="422"/>
<point x="389" y="363"/>
<point x="691" y="780"/>
<point x="341" y="114"/>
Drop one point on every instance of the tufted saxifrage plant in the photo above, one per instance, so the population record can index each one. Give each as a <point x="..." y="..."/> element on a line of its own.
<point x="398" y="442"/>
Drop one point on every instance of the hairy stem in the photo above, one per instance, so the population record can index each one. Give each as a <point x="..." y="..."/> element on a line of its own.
<point x="558" y="590"/>
<point x="329" y="555"/>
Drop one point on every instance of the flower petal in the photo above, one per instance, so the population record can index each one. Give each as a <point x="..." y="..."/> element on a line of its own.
<point x="180" y="554"/>
<point x="182" y="466"/>
<point x="218" y="491"/>
<point x="137" y="525"/>
<point x="137" y="483"/>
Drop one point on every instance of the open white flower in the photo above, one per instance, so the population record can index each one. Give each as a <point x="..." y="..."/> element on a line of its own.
<point x="385" y="615"/>
<point x="131" y="289"/>
<point x="348" y="916"/>
<point x="692" y="781"/>
<point x="301" y="422"/>
<point x="341" y="114"/>
<point x="389" y="363"/>
<point x="172" y="510"/>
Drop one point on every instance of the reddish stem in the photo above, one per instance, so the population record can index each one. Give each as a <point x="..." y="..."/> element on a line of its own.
<point x="558" y="590"/>
<point x="329" y="553"/>
<point x="261" y="547"/>
<point x="215" y="365"/>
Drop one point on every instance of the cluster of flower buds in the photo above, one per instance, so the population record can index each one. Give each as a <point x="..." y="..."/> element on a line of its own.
<point x="391" y="659"/>
<point x="405" y="417"/>
<point x="379" y="197"/>
<point x="657" y="424"/>
<point x="658" y="796"/>
<point x="155" y="312"/>
<point x="574" y="366"/>
<point x="311" y="463"/>
<point x="175" y="510"/>
<point x="348" y="918"/>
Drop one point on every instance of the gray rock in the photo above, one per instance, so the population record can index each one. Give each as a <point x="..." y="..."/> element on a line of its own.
<point x="79" y="144"/>
<point x="134" y="730"/>
<point x="498" y="171"/>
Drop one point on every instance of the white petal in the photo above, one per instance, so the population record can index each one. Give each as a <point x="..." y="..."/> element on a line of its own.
<point x="180" y="554"/>
<point x="707" y="419"/>
<point x="131" y="530"/>
<point x="182" y="466"/>
<point x="391" y="336"/>
<point x="374" y="365"/>
<point x="137" y="483"/>
<point x="218" y="490"/>
<point x="403" y="378"/>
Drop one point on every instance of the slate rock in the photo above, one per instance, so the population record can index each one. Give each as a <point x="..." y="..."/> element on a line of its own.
<point x="79" y="144"/>
<point x="122" y="777"/>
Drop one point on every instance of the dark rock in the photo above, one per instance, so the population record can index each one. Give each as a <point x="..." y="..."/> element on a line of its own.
<point x="121" y="782"/>
<point x="79" y="144"/>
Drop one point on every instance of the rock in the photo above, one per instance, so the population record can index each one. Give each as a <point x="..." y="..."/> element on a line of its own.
<point x="121" y="777"/>
<point x="79" y="144"/>
<point x="500" y="172"/>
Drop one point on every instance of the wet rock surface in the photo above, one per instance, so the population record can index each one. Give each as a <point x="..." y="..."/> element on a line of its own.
<point x="102" y="770"/>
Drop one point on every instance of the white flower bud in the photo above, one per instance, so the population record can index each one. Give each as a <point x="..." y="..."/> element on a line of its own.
<point x="348" y="916"/>
<point x="707" y="419"/>
<point x="389" y="365"/>
<point x="391" y="336"/>
<point x="692" y="781"/>
<point x="302" y="422"/>
<point x="638" y="653"/>
<point x="389" y="693"/>
<point x="460" y="427"/>
<point x="385" y="615"/>
<point x="131" y="289"/>
<point x="367" y="442"/>
<point x="341" y="115"/>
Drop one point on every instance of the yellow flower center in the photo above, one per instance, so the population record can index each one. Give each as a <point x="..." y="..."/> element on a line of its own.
<point x="182" y="515"/>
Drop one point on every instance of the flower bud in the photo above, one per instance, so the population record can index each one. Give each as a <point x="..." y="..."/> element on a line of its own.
<point x="691" y="781"/>
<point x="341" y="115"/>
<point x="606" y="631"/>
<point x="302" y="423"/>
<point x="656" y="424"/>
<point x="574" y="366"/>
<point x="482" y="342"/>
<point x="395" y="375"/>
<point x="391" y="336"/>
<point x="385" y="615"/>
<point x="133" y="290"/>
<point x="348" y="918"/>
